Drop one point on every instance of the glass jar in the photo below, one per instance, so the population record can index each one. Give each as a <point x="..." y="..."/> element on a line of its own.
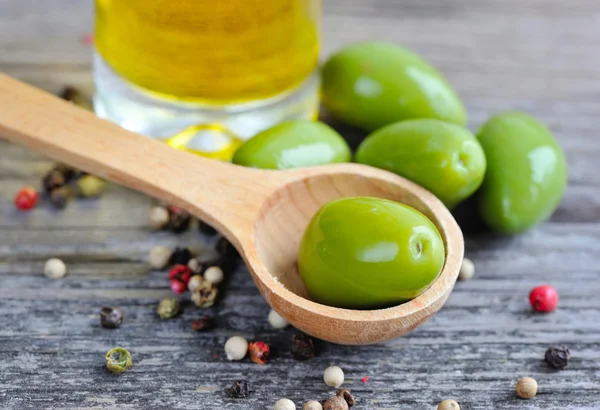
<point x="205" y="74"/>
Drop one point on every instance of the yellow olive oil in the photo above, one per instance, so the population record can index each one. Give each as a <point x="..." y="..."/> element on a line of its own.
<point x="210" y="51"/>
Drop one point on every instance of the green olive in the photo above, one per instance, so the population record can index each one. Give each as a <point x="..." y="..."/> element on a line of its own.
<point x="373" y="84"/>
<point x="442" y="157"/>
<point x="293" y="144"/>
<point x="367" y="252"/>
<point x="526" y="173"/>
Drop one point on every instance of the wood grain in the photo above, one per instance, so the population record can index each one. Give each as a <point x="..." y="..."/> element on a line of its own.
<point x="542" y="56"/>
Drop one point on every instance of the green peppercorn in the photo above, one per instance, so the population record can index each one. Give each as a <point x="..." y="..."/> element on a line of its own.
<point x="89" y="186"/>
<point x="168" y="308"/>
<point x="118" y="360"/>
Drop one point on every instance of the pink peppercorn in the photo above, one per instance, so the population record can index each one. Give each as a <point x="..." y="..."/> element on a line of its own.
<point x="543" y="298"/>
<point x="178" y="287"/>
<point x="259" y="352"/>
<point x="26" y="199"/>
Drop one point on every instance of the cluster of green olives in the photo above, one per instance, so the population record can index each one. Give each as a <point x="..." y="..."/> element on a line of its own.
<point x="362" y="252"/>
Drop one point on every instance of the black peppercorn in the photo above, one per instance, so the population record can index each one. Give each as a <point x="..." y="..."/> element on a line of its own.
<point x="303" y="347"/>
<point x="241" y="388"/>
<point x="52" y="180"/>
<point x="111" y="317"/>
<point x="229" y="255"/>
<point x="59" y="197"/>
<point x="179" y="220"/>
<point x="180" y="256"/>
<point x="557" y="356"/>
<point x="203" y="324"/>
<point x="206" y="228"/>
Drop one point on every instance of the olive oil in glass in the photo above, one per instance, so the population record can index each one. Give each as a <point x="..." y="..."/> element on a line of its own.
<point x="205" y="73"/>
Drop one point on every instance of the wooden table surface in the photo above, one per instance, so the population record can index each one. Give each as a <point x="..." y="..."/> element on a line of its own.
<point x="541" y="56"/>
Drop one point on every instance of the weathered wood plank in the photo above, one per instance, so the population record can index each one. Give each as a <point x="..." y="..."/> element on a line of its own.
<point x="542" y="56"/>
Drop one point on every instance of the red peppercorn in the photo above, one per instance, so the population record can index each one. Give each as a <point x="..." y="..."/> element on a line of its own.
<point x="26" y="199"/>
<point x="178" y="286"/>
<point x="543" y="298"/>
<point x="180" y="273"/>
<point x="259" y="352"/>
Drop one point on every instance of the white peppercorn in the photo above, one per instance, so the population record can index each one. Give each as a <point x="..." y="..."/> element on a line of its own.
<point x="284" y="404"/>
<point x="55" y="268"/>
<point x="214" y="275"/>
<point x="312" y="405"/>
<point x="467" y="269"/>
<point x="195" y="283"/>
<point x="159" y="257"/>
<point x="448" y="405"/>
<point x="236" y="348"/>
<point x="527" y="387"/>
<point x="194" y="265"/>
<point x="333" y="376"/>
<point x="158" y="217"/>
<point x="277" y="321"/>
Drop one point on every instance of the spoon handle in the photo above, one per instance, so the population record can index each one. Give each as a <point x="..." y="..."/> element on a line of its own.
<point x="224" y="195"/>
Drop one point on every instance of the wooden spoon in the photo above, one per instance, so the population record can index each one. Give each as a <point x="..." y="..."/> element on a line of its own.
<point x="263" y="213"/>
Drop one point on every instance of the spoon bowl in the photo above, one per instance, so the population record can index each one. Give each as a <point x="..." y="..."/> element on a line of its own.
<point x="263" y="213"/>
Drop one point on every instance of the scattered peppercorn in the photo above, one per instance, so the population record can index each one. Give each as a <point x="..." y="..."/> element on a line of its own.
<point x="342" y="400"/>
<point x="284" y="404"/>
<point x="333" y="376"/>
<point x="168" y="308"/>
<point x="303" y="347"/>
<point x="178" y="286"/>
<point x="312" y="405"/>
<point x="276" y="321"/>
<point x="467" y="269"/>
<point x="179" y="220"/>
<point x="158" y="218"/>
<point x="180" y="256"/>
<point x="236" y="348"/>
<point x="259" y="352"/>
<point x="241" y="388"/>
<point x="159" y="257"/>
<point x="205" y="295"/>
<point x="26" y="199"/>
<point x="543" y="298"/>
<point x="111" y="317"/>
<point x="90" y="186"/>
<point x="557" y="356"/>
<point x="206" y="228"/>
<point x="179" y="275"/>
<point x="448" y="405"/>
<point x="53" y="179"/>
<point x="214" y="275"/>
<point x="203" y="324"/>
<point x="527" y="388"/>
<point x="59" y="197"/>
<point x="55" y="268"/>
<point x="118" y="360"/>
<point x="195" y="282"/>
<point x="195" y="266"/>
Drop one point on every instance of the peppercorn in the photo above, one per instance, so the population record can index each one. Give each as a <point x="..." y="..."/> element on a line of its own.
<point x="90" y="187"/>
<point x="467" y="269"/>
<point x="312" y="405"/>
<point x="448" y="405"/>
<point x="159" y="257"/>
<point x="543" y="298"/>
<point x="206" y="228"/>
<point x="557" y="356"/>
<point x="52" y="180"/>
<point x="284" y="404"/>
<point x="195" y="282"/>
<point x="276" y="321"/>
<point x="111" y="317"/>
<point x="195" y="266"/>
<point x="168" y="308"/>
<point x="346" y="395"/>
<point x="241" y="388"/>
<point x="55" y="268"/>
<point x="259" y="352"/>
<point x="179" y="220"/>
<point x="179" y="275"/>
<point x="26" y="199"/>
<point x="69" y="173"/>
<point x="214" y="275"/>
<point x="236" y="348"/>
<point x="342" y="400"/>
<point x="118" y="360"/>
<point x="59" y="197"/>
<point x="178" y="286"/>
<point x="333" y="376"/>
<point x="203" y="324"/>
<point x="205" y="295"/>
<point x="180" y="256"/>
<point x="158" y="218"/>
<point x="303" y="347"/>
<point x="527" y="388"/>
